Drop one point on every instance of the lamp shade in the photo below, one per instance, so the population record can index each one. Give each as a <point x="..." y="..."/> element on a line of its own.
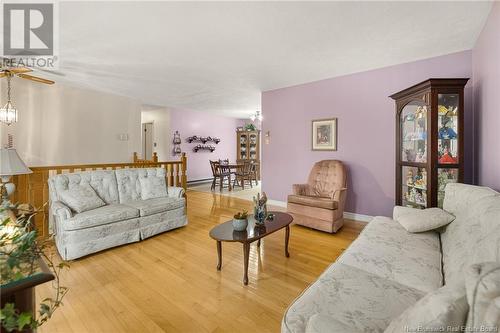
<point x="11" y="164"/>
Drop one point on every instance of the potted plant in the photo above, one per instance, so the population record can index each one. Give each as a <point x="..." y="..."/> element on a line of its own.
<point x="24" y="258"/>
<point x="240" y="221"/>
<point x="250" y="127"/>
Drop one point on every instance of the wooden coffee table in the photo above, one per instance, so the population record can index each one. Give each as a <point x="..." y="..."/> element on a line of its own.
<point x="224" y="233"/>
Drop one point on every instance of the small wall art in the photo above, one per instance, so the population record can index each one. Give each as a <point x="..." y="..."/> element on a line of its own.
<point x="324" y="134"/>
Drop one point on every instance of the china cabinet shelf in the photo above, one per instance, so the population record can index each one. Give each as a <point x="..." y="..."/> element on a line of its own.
<point x="421" y="204"/>
<point x="429" y="140"/>
<point x="417" y="187"/>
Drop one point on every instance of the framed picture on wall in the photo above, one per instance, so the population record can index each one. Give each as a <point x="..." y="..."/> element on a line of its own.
<point x="324" y="134"/>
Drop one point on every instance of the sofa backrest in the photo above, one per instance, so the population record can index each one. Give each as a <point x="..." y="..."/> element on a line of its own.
<point x="326" y="177"/>
<point x="474" y="235"/>
<point x="129" y="186"/>
<point x="102" y="181"/>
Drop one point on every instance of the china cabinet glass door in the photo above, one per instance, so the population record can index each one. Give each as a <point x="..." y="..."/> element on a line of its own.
<point x="253" y="146"/>
<point x="243" y="146"/>
<point x="414" y="146"/>
<point x="448" y="141"/>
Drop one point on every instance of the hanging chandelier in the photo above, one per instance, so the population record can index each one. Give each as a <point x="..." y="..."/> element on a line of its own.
<point x="257" y="115"/>
<point x="8" y="113"/>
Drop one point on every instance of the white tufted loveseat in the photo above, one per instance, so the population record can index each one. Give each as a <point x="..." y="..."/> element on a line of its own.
<point x="125" y="217"/>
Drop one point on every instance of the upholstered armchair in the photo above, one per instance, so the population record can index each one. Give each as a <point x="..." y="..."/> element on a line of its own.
<point x="319" y="204"/>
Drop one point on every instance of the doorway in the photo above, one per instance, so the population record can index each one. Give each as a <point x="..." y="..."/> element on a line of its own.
<point x="147" y="141"/>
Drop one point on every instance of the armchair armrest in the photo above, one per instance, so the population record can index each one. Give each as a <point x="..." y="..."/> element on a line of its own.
<point x="175" y="192"/>
<point x="340" y="196"/>
<point x="60" y="210"/>
<point x="337" y="194"/>
<point x="300" y="189"/>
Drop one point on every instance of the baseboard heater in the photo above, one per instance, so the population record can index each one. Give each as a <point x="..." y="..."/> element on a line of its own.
<point x="199" y="181"/>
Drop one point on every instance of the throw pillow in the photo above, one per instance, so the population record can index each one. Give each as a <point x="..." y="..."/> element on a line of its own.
<point x="153" y="187"/>
<point x="483" y="287"/>
<point x="438" y="310"/>
<point x="81" y="198"/>
<point x="420" y="220"/>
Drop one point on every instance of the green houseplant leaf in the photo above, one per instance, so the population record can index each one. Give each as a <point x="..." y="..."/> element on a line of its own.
<point x="20" y="249"/>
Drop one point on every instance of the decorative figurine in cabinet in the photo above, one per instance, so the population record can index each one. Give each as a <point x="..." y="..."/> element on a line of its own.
<point x="248" y="148"/>
<point x="429" y="141"/>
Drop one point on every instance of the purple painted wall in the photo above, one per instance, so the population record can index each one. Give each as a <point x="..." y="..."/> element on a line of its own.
<point x="190" y="123"/>
<point x="366" y="129"/>
<point x="486" y="78"/>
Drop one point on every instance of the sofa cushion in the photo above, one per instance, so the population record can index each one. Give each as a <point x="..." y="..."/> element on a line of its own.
<point x="483" y="286"/>
<point x="100" y="216"/>
<point x="319" y="202"/>
<point x="488" y="242"/>
<point x="356" y="298"/>
<point x="386" y="249"/>
<point x="102" y="181"/>
<point x="441" y="308"/>
<point x="157" y="205"/>
<point x="491" y="318"/>
<point x="459" y="197"/>
<point x="81" y="198"/>
<point x="129" y="186"/>
<point x="420" y="220"/>
<point x="153" y="187"/>
<point x="473" y="237"/>
<point x="325" y="324"/>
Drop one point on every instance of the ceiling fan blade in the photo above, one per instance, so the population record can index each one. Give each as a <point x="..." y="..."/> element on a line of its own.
<point x="38" y="69"/>
<point x="35" y="78"/>
<point x="18" y="70"/>
<point x="2" y="74"/>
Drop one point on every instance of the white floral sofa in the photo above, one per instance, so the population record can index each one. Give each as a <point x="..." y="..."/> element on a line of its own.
<point x="95" y="210"/>
<point x="387" y="269"/>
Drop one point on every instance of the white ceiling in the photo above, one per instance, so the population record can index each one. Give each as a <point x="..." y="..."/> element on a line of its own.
<point x="220" y="56"/>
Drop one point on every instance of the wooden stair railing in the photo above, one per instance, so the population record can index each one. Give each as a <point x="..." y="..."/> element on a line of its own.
<point x="154" y="159"/>
<point x="33" y="188"/>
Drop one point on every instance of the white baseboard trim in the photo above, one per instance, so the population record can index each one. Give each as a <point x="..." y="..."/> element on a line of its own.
<point x="358" y="217"/>
<point x="276" y="203"/>
<point x="347" y="215"/>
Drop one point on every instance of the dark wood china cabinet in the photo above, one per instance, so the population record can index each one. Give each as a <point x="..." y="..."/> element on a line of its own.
<point x="429" y="141"/>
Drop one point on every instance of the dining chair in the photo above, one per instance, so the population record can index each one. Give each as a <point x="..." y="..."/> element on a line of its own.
<point x="220" y="173"/>
<point x="224" y="163"/>
<point x="243" y="174"/>
<point x="253" y="172"/>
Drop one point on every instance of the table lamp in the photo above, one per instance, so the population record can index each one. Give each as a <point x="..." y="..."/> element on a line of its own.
<point x="10" y="165"/>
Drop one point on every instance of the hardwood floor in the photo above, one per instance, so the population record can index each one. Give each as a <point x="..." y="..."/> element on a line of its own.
<point x="169" y="283"/>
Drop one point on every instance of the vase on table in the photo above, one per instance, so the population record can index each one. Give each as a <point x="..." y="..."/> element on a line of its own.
<point x="260" y="208"/>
